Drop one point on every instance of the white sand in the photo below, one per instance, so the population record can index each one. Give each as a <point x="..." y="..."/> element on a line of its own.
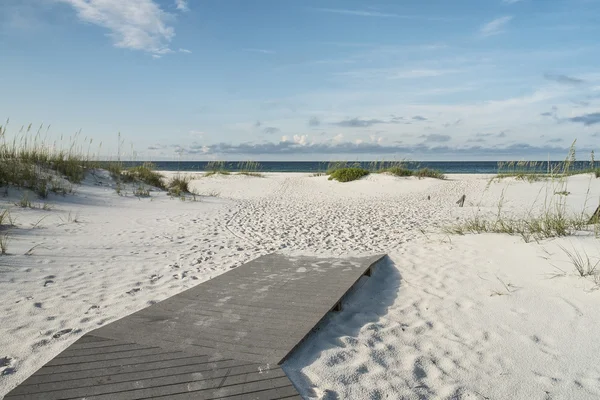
<point x="473" y="317"/>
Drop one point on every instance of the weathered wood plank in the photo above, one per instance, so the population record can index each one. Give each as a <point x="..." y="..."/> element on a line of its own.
<point x="221" y="339"/>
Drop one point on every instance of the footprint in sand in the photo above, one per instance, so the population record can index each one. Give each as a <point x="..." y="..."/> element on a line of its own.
<point x="7" y="366"/>
<point x="94" y="307"/>
<point x="39" y="344"/>
<point x="133" y="291"/>
<point x="37" y="305"/>
<point x="61" y="333"/>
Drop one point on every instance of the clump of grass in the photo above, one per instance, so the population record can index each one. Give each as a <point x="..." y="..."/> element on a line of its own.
<point x="398" y="171"/>
<point x="24" y="202"/>
<point x="141" y="191"/>
<point x="6" y="219"/>
<point x="144" y="173"/>
<point x="31" y="161"/>
<point x="337" y="165"/>
<point x="178" y="186"/>
<point x="429" y="173"/>
<point x="4" y="239"/>
<point x="534" y="171"/>
<point x="549" y="223"/>
<point x="582" y="263"/>
<point x="249" y="168"/>
<point x="348" y="174"/>
<point x="216" y="167"/>
<point x="402" y="171"/>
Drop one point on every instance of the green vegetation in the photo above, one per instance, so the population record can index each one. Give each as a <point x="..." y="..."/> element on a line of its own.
<point x="419" y="173"/>
<point x="582" y="263"/>
<point x="178" y="186"/>
<point x="249" y="168"/>
<point x="398" y="171"/>
<point x="550" y="220"/>
<point x="29" y="161"/>
<point x="429" y="173"/>
<point x="534" y="171"/>
<point x="143" y="173"/>
<point x="394" y="168"/>
<point x="348" y="174"/>
<point x="4" y="239"/>
<point x="216" y="167"/>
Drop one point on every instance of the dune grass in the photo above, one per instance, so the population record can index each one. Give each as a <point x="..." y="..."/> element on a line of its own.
<point x="550" y="220"/>
<point x="216" y="168"/>
<point x="353" y="171"/>
<point x="4" y="239"/>
<point x="31" y="161"/>
<point x="421" y="173"/>
<point x="348" y="174"/>
<point x="534" y="171"/>
<point x="582" y="263"/>
<point x="145" y="174"/>
<point x="179" y="185"/>
<point x="249" y="168"/>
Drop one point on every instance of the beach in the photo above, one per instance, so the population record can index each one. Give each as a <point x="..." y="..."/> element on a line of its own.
<point x="450" y="316"/>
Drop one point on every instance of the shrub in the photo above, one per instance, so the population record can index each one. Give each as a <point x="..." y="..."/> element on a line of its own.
<point x="144" y="173"/>
<point x="399" y="171"/>
<point x="179" y="185"/>
<point x="348" y="174"/>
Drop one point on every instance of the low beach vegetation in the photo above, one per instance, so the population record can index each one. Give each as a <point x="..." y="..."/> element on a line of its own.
<point x="396" y="168"/>
<point x="30" y="161"/>
<point x="249" y="168"/>
<point x="348" y="174"/>
<point x="534" y="171"/>
<point x="548" y="218"/>
<point x="216" y="168"/>
<point x="178" y="185"/>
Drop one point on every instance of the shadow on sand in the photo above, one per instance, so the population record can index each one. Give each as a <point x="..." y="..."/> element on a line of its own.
<point x="365" y="304"/>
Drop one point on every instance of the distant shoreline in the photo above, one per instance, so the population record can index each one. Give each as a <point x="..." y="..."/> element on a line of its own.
<point x="447" y="167"/>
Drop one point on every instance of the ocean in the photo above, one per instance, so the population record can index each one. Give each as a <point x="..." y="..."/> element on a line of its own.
<point x="447" y="167"/>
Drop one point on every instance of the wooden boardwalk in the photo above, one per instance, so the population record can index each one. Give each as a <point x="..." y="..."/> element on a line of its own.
<point x="224" y="338"/>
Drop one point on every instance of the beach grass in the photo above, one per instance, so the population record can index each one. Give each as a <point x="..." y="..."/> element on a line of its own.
<point x="582" y="263"/>
<point x="4" y="239"/>
<point x="144" y="173"/>
<point x="249" y="168"/>
<point x="216" y="168"/>
<point x="534" y="171"/>
<point x="348" y="174"/>
<point x="551" y="220"/>
<point x="178" y="185"/>
<point x="30" y="161"/>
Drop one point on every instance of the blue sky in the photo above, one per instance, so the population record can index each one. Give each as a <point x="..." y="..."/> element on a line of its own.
<point x="307" y="80"/>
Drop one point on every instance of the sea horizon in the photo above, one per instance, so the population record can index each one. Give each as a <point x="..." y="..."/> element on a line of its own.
<point x="448" y="167"/>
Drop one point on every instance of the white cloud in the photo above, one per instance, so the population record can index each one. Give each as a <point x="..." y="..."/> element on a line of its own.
<point x="133" y="24"/>
<point x="379" y="14"/>
<point x="182" y="5"/>
<point x="495" y="26"/>
<point x="185" y="51"/>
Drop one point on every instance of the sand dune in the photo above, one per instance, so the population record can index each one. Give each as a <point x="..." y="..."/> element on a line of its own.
<point x="477" y="316"/>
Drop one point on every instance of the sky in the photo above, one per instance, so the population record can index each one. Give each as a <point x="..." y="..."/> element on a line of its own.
<point x="307" y="79"/>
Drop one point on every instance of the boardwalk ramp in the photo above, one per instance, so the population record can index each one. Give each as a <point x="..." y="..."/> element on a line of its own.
<point x="222" y="339"/>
